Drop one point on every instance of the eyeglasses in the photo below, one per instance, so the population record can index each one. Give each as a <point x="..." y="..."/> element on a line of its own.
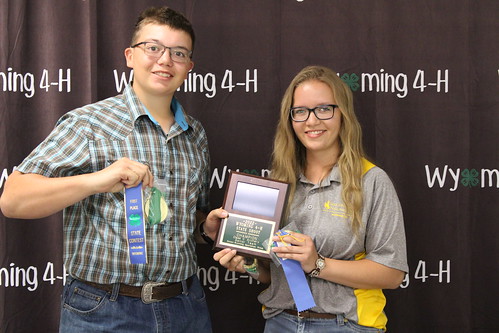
<point x="322" y="112"/>
<point x="156" y="50"/>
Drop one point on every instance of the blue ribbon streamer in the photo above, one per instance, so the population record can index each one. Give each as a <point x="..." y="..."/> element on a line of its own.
<point x="135" y="226"/>
<point x="298" y="284"/>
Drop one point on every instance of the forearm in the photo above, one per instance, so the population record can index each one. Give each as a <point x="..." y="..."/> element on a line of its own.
<point x="363" y="274"/>
<point x="31" y="196"/>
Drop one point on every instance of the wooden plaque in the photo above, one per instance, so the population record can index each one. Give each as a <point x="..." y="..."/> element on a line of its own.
<point x="256" y="207"/>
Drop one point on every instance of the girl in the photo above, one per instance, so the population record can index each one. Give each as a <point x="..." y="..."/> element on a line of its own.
<point x="344" y="218"/>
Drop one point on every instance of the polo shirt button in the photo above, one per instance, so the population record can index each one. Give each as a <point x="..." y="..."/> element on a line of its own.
<point x="309" y="206"/>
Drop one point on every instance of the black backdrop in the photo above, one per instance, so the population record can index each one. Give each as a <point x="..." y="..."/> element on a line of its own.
<point x="425" y="81"/>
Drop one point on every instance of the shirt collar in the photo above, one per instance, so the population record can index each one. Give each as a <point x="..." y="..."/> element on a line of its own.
<point x="138" y="109"/>
<point x="334" y="176"/>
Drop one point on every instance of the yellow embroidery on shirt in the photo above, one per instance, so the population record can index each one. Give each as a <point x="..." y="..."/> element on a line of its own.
<point x="335" y="209"/>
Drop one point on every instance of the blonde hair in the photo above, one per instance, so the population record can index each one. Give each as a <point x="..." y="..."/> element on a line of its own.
<point x="289" y="154"/>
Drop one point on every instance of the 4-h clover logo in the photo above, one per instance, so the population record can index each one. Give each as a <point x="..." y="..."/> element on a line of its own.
<point x="351" y="80"/>
<point x="469" y="177"/>
<point x="134" y="220"/>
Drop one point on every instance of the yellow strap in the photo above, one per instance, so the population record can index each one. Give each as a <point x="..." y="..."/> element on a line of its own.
<point x="370" y="304"/>
<point x="366" y="166"/>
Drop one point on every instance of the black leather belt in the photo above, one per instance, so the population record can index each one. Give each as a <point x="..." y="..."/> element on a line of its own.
<point x="311" y="314"/>
<point x="150" y="292"/>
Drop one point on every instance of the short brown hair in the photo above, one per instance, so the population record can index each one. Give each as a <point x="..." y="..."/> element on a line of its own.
<point x="166" y="16"/>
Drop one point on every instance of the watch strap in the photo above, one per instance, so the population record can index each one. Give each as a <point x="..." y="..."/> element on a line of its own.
<point x="318" y="268"/>
<point x="205" y="236"/>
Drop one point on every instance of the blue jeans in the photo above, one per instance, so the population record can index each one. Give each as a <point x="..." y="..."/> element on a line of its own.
<point x="89" y="309"/>
<point x="287" y="323"/>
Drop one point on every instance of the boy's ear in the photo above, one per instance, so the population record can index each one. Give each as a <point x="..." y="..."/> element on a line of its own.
<point x="129" y="57"/>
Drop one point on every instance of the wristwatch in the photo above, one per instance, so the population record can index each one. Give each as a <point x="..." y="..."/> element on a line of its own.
<point x="320" y="263"/>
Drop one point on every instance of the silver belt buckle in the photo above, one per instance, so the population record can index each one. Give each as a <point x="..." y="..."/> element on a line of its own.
<point x="146" y="293"/>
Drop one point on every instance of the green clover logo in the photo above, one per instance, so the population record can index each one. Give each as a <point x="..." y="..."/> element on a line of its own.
<point x="351" y="80"/>
<point x="469" y="177"/>
<point x="134" y="220"/>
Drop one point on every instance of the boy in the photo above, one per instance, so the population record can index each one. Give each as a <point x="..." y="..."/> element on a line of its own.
<point x="90" y="158"/>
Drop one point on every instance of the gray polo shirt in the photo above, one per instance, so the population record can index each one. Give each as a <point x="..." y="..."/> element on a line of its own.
<point x="318" y="211"/>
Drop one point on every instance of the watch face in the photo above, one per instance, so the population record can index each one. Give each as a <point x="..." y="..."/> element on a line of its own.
<point x="320" y="263"/>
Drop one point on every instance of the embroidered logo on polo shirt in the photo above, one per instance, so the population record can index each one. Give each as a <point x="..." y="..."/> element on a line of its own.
<point x="335" y="209"/>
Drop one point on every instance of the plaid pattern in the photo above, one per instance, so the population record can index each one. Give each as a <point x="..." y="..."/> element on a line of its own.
<point x="91" y="138"/>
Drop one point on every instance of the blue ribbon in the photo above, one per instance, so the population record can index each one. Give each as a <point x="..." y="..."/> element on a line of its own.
<point x="135" y="226"/>
<point x="300" y="290"/>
